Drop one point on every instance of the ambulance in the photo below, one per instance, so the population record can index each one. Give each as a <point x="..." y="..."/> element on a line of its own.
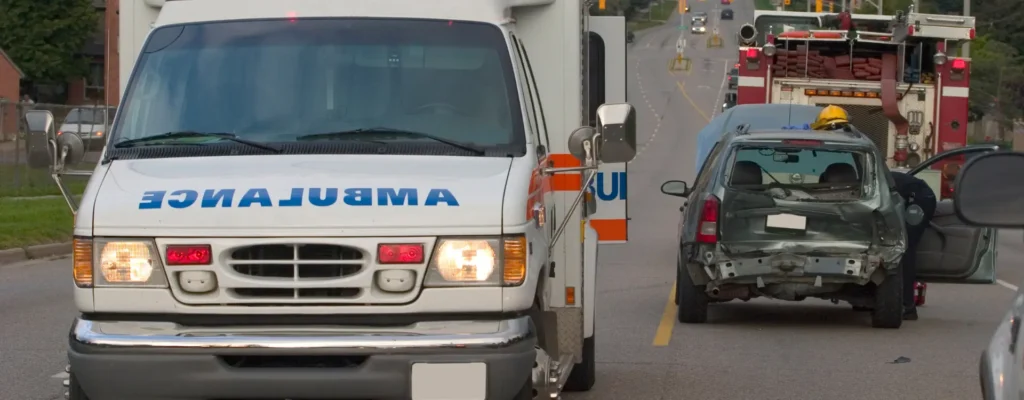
<point x="349" y="199"/>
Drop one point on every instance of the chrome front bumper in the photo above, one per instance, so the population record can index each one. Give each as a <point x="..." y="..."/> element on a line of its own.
<point x="117" y="360"/>
<point x="423" y="335"/>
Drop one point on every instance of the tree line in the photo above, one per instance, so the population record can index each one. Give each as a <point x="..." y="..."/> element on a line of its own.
<point x="46" y="38"/>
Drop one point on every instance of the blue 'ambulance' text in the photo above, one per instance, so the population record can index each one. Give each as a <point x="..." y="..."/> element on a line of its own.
<point x="298" y="197"/>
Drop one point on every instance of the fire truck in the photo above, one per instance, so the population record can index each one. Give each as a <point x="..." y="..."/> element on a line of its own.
<point x="899" y="77"/>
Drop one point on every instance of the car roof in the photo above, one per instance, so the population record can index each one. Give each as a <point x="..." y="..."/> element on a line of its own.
<point x="843" y="137"/>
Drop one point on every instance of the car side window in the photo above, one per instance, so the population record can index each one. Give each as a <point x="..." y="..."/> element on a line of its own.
<point x="704" y="175"/>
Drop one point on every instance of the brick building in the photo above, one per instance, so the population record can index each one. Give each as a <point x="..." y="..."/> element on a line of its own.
<point x="10" y="93"/>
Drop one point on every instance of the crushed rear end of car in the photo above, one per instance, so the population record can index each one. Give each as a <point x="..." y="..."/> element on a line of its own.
<point x="801" y="219"/>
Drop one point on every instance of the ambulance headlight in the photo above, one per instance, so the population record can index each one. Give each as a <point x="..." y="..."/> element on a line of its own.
<point x="128" y="262"/>
<point x="477" y="261"/>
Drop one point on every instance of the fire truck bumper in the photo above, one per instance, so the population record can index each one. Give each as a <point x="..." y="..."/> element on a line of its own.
<point x="162" y="360"/>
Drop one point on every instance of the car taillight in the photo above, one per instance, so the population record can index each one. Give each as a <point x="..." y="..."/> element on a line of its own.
<point x="707" y="231"/>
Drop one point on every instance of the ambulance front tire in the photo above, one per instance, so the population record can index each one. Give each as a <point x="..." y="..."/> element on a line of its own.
<point x="584" y="374"/>
<point x="691" y="300"/>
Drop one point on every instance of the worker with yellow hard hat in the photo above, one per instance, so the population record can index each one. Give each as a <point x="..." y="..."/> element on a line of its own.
<point x="831" y="118"/>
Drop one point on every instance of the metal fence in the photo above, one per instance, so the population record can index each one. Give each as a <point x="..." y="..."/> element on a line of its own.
<point x="24" y="161"/>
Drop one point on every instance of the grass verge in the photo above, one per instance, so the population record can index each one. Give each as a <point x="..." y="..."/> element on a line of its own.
<point x="34" y="221"/>
<point x="22" y="181"/>
<point x="658" y="15"/>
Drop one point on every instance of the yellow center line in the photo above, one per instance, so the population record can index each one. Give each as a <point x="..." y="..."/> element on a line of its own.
<point x="692" y="103"/>
<point x="668" y="320"/>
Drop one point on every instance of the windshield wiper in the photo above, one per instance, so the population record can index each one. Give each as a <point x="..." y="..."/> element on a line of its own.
<point x="193" y="134"/>
<point x="382" y="131"/>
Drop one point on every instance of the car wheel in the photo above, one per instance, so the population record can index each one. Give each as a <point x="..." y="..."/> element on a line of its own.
<point x="888" y="310"/>
<point x="691" y="299"/>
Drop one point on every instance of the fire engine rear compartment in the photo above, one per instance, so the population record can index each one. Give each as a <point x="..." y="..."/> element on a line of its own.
<point x="835" y="70"/>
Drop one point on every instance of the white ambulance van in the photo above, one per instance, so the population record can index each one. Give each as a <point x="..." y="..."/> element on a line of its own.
<point x="349" y="199"/>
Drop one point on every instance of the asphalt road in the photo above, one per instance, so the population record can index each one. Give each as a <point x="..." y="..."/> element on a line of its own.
<point x="762" y="349"/>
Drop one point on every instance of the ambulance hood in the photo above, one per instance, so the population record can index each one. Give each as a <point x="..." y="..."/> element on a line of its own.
<point x="297" y="195"/>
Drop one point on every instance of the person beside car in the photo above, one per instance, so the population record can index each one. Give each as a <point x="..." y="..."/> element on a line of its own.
<point x="914" y="192"/>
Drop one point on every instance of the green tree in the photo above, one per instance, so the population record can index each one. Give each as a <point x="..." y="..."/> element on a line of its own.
<point x="45" y="36"/>
<point x="996" y="78"/>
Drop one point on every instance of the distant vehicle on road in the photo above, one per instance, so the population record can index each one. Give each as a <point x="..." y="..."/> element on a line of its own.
<point x="89" y="123"/>
<point x="698" y="27"/>
<point x="726" y="13"/>
<point x="730" y="101"/>
<point x="789" y="213"/>
<point x="701" y="17"/>
<point x="727" y="2"/>
<point x="734" y="77"/>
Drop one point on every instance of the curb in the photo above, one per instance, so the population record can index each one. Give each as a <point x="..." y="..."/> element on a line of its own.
<point x="12" y="256"/>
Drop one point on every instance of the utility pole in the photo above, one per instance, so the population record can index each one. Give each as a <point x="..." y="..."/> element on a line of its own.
<point x="966" y="52"/>
<point x="880" y="4"/>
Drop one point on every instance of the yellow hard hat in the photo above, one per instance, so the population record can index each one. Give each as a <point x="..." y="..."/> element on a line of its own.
<point x="829" y="116"/>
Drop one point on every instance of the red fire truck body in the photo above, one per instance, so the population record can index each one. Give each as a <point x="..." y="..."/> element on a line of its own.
<point x="897" y="76"/>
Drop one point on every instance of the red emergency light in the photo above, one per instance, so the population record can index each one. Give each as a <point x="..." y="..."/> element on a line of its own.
<point x="752" y="53"/>
<point x="198" y="254"/>
<point x="959" y="64"/>
<point x="400" y="253"/>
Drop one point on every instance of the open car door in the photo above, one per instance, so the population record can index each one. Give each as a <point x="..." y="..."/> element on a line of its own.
<point x="950" y="250"/>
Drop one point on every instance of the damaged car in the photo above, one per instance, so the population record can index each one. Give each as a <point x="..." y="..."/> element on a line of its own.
<point x="789" y="214"/>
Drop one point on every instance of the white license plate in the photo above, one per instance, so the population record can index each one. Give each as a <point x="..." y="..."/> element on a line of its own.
<point x="786" y="221"/>
<point x="463" y="381"/>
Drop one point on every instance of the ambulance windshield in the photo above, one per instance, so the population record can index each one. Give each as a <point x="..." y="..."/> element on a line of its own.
<point x="273" y="81"/>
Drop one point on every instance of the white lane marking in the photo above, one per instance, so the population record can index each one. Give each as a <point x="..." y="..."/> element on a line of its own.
<point x="60" y="375"/>
<point x="1007" y="285"/>
<point x="721" y="90"/>
<point x="657" y="117"/>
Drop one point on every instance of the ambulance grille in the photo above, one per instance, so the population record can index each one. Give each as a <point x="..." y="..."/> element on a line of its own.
<point x="281" y="263"/>
<point x="871" y="121"/>
<point x="299" y="261"/>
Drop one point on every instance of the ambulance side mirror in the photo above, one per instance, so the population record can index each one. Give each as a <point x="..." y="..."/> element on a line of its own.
<point x="617" y="125"/>
<point x="989" y="189"/>
<point x="61" y="149"/>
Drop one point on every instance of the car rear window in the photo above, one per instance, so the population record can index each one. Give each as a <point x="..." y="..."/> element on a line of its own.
<point x="806" y="173"/>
